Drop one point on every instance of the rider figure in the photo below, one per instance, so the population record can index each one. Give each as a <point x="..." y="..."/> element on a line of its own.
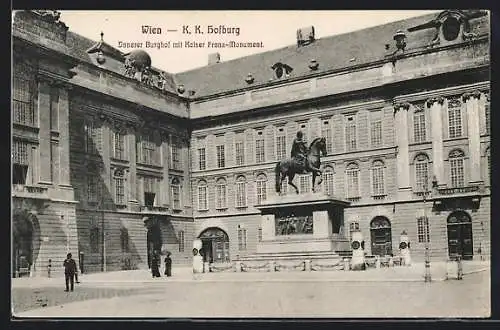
<point x="299" y="151"/>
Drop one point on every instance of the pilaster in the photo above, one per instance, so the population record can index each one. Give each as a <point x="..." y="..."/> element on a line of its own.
<point x="436" y="107"/>
<point x="402" y="158"/>
<point x="64" y="175"/>
<point x="44" y="133"/>
<point x="131" y="145"/>
<point x="165" y="137"/>
<point x="473" y="125"/>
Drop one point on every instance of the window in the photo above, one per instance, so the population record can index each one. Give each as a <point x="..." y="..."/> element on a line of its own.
<point x="259" y="234"/>
<point x="220" y="191"/>
<point x="202" y="196"/>
<point x="488" y="164"/>
<point x="352" y="174"/>
<point x="284" y="187"/>
<point x="281" y="144"/>
<point x="421" y="173"/>
<point x="378" y="178"/>
<point x="202" y="161"/>
<point x="20" y="162"/>
<point x="181" y="241"/>
<point x="176" y="194"/>
<point x="455" y="118"/>
<point x="92" y="137"/>
<point x="149" y="152"/>
<point x="419" y="128"/>
<point x="305" y="183"/>
<point x="423" y="230"/>
<point x="92" y="188"/>
<point x="240" y="153"/>
<point x="457" y="168"/>
<point x="23" y="109"/>
<point x="350" y="133"/>
<point x="259" y="148"/>
<point x="124" y="240"/>
<point x="221" y="158"/>
<point x="118" y="144"/>
<point x="261" y="189"/>
<point x="119" y="185"/>
<point x="94" y="239"/>
<point x="242" y="238"/>
<point x="176" y="154"/>
<point x="326" y="132"/>
<point x="353" y="226"/>
<point x="328" y="181"/>
<point x="241" y="192"/>
<point x="151" y="190"/>
<point x="376" y="129"/>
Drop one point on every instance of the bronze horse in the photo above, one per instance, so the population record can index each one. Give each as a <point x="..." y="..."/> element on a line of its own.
<point x="289" y="167"/>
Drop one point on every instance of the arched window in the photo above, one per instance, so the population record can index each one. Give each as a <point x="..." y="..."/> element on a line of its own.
<point x="328" y="182"/>
<point x="221" y="194"/>
<point x="454" y="118"/>
<point x="421" y="172"/>
<point x="456" y="158"/>
<point x="241" y="192"/>
<point x="202" y="196"/>
<point x="378" y="183"/>
<point x="176" y="194"/>
<point x="261" y="188"/>
<point x="119" y="186"/>
<point x="352" y="180"/>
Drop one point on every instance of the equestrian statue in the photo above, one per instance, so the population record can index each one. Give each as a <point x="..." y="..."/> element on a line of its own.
<point x="303" y="160"/>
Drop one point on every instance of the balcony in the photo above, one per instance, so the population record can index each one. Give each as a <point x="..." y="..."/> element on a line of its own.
<point x="153" y="210"/>
<point x="457" y="197"/>
<point x="458" y="190"/>
<point x="32" y="192"/>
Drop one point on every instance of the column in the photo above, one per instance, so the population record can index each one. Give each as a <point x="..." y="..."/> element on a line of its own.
<point x="133" y="164"/>
<point x="165" y="193"/>
<point x="44" y="134"/>
<point x="436" y="107"/>
<point x="105" y="122"/>
<point x="473" y="126"/>
<point x="402" y="157"/>
<point x="64" y="177"/>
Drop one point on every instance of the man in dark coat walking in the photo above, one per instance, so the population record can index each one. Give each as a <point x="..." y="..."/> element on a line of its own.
<point x="69" y="271"/>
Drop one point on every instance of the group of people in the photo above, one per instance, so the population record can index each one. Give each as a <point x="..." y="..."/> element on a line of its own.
<point x="156" y="264"/>
<point x="70" y="272"/>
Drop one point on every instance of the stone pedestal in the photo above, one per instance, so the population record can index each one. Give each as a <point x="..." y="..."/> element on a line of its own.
<point x="302" y="223"/>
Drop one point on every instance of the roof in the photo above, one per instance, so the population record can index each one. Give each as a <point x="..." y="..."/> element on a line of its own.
<point x="78" y="47"/>
<point x="334" y="52"/>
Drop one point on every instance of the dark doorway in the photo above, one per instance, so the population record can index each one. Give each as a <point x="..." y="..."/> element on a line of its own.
<point x="215" y="245"/>
<point x="460" y="235"/>
<point x="381" y="237"/>
<point x="23" y="243"/>
<point x="154" y="239"/>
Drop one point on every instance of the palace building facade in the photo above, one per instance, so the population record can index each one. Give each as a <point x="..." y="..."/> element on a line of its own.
<point x="113" y="158"/>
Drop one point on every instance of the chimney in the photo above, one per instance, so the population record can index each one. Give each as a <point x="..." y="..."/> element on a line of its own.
<point x="305" y="36"/>
<point x="213" y="58"/>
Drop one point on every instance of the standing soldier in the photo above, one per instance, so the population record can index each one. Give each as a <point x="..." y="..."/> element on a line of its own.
<point x="69" y="271"/>
<point x="299" y="152"/>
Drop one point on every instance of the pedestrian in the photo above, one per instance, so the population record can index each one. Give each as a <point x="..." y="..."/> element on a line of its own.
<point x="69" y="271"/>
<point x="168" y="265"/>
<point x="155" y="264"/>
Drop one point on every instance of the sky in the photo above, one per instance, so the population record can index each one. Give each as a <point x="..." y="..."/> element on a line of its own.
<point x="275" y="29"/>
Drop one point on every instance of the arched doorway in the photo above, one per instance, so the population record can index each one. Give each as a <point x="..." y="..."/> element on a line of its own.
<point x="215" y="245"/>
<point x="25" y="247"/>
<point x="154" y="239"/>
<point x="460" y="235"/>
<point x="381" y="237"/>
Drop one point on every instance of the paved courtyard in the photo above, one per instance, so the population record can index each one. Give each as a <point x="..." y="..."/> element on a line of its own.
<point x="390" y="292"/>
